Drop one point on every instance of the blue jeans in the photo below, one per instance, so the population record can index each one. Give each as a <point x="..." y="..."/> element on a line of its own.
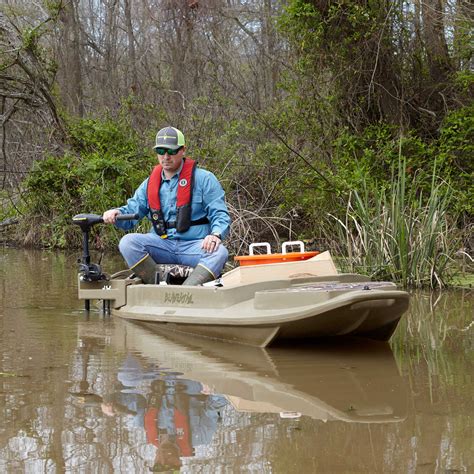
<point x="134" y="247"/>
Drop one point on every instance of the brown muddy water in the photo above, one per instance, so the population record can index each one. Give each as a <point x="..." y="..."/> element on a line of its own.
<point x="88" y="393"/>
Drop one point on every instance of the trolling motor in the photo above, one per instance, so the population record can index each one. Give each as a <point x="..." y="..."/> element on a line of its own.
<point x="91" y="271"/>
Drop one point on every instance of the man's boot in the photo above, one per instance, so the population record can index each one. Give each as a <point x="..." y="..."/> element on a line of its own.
<point x="199" y="276"/>
<point x="145" y="269"/>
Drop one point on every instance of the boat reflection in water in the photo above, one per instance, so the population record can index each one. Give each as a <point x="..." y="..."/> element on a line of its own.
<point x="180" y="402"/>
<point x="356" y="383"/>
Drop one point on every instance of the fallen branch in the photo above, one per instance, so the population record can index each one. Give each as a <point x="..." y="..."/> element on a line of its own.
<point x="8" y="222"/>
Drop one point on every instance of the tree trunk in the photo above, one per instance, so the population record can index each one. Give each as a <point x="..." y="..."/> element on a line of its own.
<point x="131" y="46"/>
<point x="70" y="70"/>
<point x="110" y="57"/>
<point x="269" y="40"/>
<point x="435" y="41"/>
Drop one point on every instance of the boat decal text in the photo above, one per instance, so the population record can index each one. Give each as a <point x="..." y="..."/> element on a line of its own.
<point x="180" y="298"/>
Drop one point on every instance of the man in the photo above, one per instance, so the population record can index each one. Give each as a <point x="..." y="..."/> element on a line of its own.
<point x="186" y="206"/>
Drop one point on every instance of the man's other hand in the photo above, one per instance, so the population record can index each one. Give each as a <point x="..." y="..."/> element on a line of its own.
<point x="110" y="216"/>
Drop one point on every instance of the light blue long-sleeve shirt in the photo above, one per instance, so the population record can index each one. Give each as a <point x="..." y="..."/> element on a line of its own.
<point x="208" y="200"/>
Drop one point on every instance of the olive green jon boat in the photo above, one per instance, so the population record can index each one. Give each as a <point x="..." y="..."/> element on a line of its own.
<point x="257" y="305"/>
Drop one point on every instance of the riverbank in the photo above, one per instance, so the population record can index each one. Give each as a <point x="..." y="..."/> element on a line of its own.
<point x="462" y="272"/>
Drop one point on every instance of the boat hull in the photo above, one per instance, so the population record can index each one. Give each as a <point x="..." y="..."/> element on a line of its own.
<point x="261" y="316"/>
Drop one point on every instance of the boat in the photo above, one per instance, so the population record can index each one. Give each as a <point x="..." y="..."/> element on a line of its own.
<point x="354" y="382"/>
<point x="259" y="304"/>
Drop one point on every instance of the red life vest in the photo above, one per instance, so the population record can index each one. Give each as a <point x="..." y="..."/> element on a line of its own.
<point x="183" y="435"/>
<point x="183" y="200"/>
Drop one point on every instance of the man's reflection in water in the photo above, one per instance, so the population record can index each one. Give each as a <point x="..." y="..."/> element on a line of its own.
<point x="120" y="403"/>
<point x="182" y="415"/>
<point x="177" y="414"/>
<point x="130" y="397"/>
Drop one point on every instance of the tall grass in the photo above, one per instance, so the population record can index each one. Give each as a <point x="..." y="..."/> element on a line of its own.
<point x="402" y="233"/>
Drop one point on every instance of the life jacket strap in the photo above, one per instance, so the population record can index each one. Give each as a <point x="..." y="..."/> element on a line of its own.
<point x="172" y="224"/>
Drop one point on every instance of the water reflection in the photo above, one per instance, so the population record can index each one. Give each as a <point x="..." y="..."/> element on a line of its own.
<point x="178" y="403"/>
<point x="353" y="383"/>
<point x="82" y="394"/>
<point x="178" y="415"/>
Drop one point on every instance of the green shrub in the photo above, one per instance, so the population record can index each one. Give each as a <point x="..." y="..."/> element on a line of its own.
<point x="455" y="157"/>
<point x="101" y="171"/>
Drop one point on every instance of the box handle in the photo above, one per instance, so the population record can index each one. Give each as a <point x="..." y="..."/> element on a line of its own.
<point x="260" y="244"/>
<point x="292" y="243"/>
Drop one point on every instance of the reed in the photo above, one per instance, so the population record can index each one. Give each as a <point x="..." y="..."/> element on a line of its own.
<point x="402" y="232"/>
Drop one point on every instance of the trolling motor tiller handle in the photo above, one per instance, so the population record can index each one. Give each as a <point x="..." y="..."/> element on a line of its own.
<point x="92" y="271"/>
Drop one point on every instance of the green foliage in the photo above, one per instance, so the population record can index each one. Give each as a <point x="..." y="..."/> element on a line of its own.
<point x="30" y="38"/>
<point x="455" y="156"/>
<point x="365" y="160"/>
<point x="53" y="7"/>
<point x="464" y="80"/>
<point x="352" y="162"/>
<point x="102" y="170"/>
<point x="333" y="49"/>
<point x="339" y="26"/>
<point x="102" y="136"/>
<point x="357" y="64"/>
<point x="302" y="23"/>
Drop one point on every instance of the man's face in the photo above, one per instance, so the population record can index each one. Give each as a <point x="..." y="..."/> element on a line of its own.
<point x="171" y="163"/>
